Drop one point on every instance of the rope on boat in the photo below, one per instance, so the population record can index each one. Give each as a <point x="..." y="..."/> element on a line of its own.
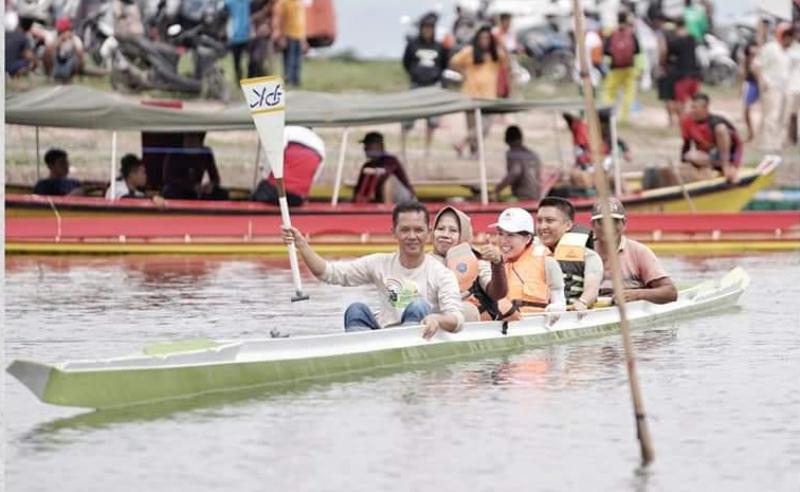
<point x="58" y="219"/>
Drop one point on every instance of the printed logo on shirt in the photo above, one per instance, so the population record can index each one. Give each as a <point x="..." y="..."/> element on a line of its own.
<point x="401" y="293"/>
<point x="427" y="58"/>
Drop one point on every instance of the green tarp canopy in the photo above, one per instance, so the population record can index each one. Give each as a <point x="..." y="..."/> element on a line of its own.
<point x="75" y="106"/>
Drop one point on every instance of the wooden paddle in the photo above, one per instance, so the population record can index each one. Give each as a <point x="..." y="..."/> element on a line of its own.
<point x="266" y="99"/>
<point x="601" y="183"/>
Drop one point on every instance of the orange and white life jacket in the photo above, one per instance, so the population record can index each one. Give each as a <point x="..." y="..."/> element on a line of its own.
<point x="571" y="256"/>
<point x="527" y="284"/>
<point x="464" y="264"/>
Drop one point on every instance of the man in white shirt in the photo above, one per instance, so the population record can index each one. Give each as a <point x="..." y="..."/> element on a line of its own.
<point x="772" y="67"/>
<point x="793" y="104"/>
<point x="414" y="287"/>
<point x="132" y="180"/>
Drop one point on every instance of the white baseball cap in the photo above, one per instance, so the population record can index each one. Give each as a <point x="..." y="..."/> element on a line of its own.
<point x="515" y="219"/>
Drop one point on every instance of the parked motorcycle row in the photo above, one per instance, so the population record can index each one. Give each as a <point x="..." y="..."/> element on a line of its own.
<point x="174" y="29"/>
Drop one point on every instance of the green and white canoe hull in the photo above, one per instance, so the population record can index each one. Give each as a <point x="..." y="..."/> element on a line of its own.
<point x="190" y="369"/>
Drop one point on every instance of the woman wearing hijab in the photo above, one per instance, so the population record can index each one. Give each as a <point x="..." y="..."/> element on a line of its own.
<point x="482" y="282"/>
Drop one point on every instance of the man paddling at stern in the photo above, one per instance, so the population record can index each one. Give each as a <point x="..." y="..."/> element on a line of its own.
<point x="643" y="277"/>
<point x="414" y="288"/>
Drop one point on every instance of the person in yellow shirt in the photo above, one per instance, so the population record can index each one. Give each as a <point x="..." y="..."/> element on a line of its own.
<point x="289" y="36"/>
<point x="480" y="64"/>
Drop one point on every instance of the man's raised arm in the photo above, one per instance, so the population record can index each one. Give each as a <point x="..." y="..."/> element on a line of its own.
<point x="313" y="261"/>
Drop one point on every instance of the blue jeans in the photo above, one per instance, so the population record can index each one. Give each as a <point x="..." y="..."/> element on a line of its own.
<point x="292" y="59"/>
<point x="358" y="316"/>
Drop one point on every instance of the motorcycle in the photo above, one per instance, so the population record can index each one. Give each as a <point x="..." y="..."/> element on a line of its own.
<point x="96" y="32"/>
<point x="549" y="53"/>
<point x="716" y="63"/>
<point x="139" y="64"/>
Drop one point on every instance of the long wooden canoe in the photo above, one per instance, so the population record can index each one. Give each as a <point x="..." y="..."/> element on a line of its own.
<point x="192" y="368"/>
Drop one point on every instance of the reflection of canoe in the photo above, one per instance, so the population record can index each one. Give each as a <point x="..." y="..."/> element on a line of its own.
<point x="705" y="233"/>
<point x="713" y="195"/>
<point x="191" y="368"/>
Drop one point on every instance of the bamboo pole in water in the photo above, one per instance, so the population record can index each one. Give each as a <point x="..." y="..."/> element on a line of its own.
<point x="601" y="182"/>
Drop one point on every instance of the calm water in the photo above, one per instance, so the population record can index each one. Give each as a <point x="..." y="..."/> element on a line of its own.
<point x="723" y="393"/>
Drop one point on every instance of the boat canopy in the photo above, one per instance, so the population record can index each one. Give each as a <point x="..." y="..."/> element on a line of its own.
<point x="75" y="106"/>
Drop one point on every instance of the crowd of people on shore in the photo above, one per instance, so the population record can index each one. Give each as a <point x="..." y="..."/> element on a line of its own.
<point x="547" y="264"/>
<point x="51" y="43"/>
<point x="770" y="70"/>
<point x="483" y="52"/>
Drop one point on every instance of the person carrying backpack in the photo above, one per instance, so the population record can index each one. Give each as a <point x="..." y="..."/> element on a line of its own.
<point x="621" y="47"/>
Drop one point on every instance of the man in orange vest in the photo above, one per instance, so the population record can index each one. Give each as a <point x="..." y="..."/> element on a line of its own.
<point x="570" y="244"/>
<point x="535" y="280"/>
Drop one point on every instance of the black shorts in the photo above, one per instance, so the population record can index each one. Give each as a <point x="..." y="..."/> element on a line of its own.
<point x="666" y="87"/>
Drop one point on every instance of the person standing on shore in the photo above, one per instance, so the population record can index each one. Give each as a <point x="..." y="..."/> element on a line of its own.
<point x="260" y="51"/>
<point x="772" y="67"/>
<point x="238" y="31"/>
<point x="289" y="36"/>
<point x="480" y="64"/>
<point x="424" y="60"/>
<point x="622" y="47"/>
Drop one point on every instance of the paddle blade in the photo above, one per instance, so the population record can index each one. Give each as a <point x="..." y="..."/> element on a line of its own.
<point x="266" y="100"/>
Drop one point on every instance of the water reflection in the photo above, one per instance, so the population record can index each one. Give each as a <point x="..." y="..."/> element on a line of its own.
<point x="721" y="389"/>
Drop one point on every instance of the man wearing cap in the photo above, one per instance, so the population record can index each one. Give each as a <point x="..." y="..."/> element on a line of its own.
<point x="643" y="277"/>
<point x="535" y="280"/>
<point x="772" y="67"/>
<point x="425" y="59"/>
<point x="570" y="244"/>
<point x="382" y="178"/>
<point x="414" y="287"/>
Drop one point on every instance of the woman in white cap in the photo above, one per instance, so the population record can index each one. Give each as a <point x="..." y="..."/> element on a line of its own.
<point x="535" y="280"/>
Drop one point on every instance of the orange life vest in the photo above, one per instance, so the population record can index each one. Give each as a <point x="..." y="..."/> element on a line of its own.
<point x="461" y="260"/>
<point x="527" y="284"/>
<point x="463" y="263"/>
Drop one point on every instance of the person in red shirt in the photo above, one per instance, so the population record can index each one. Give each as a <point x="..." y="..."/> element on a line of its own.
<point x="380" y="170"/>
<point x="303" y="156"/>
<point x="581" y="176"/>
<point x="711" y="144"/>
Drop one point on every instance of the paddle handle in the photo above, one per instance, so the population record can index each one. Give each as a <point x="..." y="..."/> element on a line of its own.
<point x="287" y="224"/>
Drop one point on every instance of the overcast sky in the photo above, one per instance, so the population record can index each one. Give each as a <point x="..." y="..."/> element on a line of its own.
<point x="372" y="28"/>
